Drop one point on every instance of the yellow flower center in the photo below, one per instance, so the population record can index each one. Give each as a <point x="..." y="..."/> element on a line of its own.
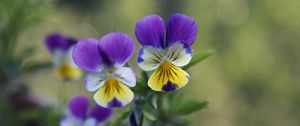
<point x="111" y="85"/>
<point x="113" y="89"/>
<point x="167" y="73"/>
<point x="68" y="72"/>
<point x="167" y="70"/>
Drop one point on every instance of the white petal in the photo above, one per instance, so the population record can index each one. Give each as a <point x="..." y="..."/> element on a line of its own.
<point x="126" y="76"/>
<point x="149" y="57"/>
<point x="180" y="54"/>
<point x="90" y="122"/>
<point x="68" y="57"/>
<point x="58" y="57"/>
<point x="95" y="80"/>
<point x="70" y="121"/>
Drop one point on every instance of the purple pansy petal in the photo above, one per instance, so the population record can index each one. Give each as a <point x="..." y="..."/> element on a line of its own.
<point x="86" y="55"/>
<point x="181" y="28"/>
<point x="150" y="31"/>
<point x="58" y="41"/>
<point x="78" y="106"/>
<point x="116" y="48"/>
<point x="100" y="114"/>
<point x="54" y="41"/>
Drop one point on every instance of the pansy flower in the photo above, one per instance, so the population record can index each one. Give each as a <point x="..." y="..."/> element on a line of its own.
<point x="104" y="59"/>
<point x="60" y="47"/>
<point x="80" y="113"/>
<point x="165" y="49"/>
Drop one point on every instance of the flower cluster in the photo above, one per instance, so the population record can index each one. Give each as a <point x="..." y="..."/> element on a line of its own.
<point x="166" y="48"/>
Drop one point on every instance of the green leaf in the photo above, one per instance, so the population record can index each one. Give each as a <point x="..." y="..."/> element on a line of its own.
<point x="25" y="53"/>
<point x="149" y="115"/>
<point x="119" y="118"/>
<point x="188" y="107"/>
<point x="175" y="121"/>
<point x="33" y="66"/>
<point x="199" y="57"/>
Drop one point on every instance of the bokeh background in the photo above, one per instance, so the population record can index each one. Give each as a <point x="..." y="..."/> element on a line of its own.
<point x="252" y="79"/>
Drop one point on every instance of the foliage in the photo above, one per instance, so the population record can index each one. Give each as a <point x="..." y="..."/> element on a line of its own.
<point x="11" y="116"/>
<point x="15" y="17"/>
<point x="16" y="106"/>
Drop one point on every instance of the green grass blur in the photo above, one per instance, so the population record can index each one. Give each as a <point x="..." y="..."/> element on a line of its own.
<point x="253" y="79"/>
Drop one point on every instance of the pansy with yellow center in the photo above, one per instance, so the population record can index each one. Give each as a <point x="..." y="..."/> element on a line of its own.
<point x="104" y="59"/>
<point x="60" y="46"/>
<point x="165" y="49"/>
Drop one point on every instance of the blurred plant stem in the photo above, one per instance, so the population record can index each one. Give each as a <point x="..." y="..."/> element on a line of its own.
<point x="62" y="96"/>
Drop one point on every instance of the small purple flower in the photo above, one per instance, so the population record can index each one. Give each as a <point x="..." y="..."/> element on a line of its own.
<point x="60" y="47"/>
<point x="80" y="116"/>
<point x="56" y="41"/>
<point x="104" y="60"/>
<point x="166" y="49"/>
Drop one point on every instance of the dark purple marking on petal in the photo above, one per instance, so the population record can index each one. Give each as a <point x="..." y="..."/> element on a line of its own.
<point x="187" y="48"/>
<point x="105" y="59"/>
<point x="59" y="41"/>
<point x="86" y="55"/>
<point x="78" y="106"/>
<point x="114" y="103"/>
<point x="169" y="86"/>
<point x="116" y="47"/>
<point x="70" y="42"/>
<point x="140" y="54"/>
<point x="181" y="28"/>
<point x="100" y="114"/>
<point x="150" y="30"/>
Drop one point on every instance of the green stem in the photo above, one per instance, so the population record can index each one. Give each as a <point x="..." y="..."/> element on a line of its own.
<point x="141" y="120"/>
<point x="160" y="108"/>
<point x="62" y="95"/>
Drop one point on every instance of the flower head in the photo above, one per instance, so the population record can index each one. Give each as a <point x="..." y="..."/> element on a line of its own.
<point x="166" y="49"/>
<point x="80" y="116"/>
<point x="60" y="47"/>
<point x="104" y="60"/>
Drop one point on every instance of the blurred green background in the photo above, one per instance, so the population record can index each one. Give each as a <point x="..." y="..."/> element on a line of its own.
<point x="253" y="79"/>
